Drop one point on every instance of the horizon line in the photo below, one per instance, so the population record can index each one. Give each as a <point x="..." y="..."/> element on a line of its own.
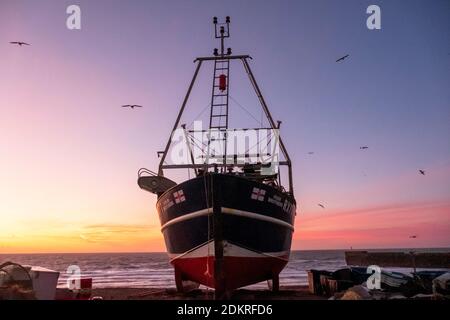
<point x="165" y="252"/>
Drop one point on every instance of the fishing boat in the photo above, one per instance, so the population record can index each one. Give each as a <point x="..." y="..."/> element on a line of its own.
<point x="230" y="224"/>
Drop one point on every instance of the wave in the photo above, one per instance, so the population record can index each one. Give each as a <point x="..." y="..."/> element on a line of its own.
<point x="153" y="269"/>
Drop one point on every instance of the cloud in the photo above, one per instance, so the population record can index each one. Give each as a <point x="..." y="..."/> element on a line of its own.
<point x="401" y="210"/>
<point x="382" y="226"/>
<point x="116" y="232"/>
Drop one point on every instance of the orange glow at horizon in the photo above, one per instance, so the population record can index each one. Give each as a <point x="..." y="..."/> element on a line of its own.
<point x="88" y="239"/>
<point x="381" y="227"/>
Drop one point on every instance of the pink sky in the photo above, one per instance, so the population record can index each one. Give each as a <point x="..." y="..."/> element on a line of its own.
<point x="377" y="227"/>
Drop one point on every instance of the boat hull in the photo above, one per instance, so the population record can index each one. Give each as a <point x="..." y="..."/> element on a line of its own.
<point x="225" y="231"/>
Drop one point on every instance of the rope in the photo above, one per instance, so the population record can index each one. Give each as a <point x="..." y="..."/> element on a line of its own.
<point x="199" y="141"/>
<point x="268" y="142"/>
<point x="207" y="272"/>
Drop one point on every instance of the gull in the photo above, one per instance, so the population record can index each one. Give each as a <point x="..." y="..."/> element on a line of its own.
<point x="20" y="43"/>
<point x="310" y="152"/>
<point x="132" y="106"/>
<point x="321" y="205"/>
<point x="422" y="172"/>
<point x="413" y="236"/>
<point x="364" y="147"/>
<point x="342" y="58"/>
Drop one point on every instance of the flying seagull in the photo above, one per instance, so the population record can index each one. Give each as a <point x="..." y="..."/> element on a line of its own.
<point x="321" y="205"/>
<point x="342" y="58"/>
<point x="413" y="236"/>
<point x="364" y="147"/>
<point x="422" y="172"/>
<point x="310" y="152"/>
<point x="20" y="43"/>
<point x="132" y="106"/>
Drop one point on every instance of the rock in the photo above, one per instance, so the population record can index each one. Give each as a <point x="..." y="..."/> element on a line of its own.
<point x="441" y="284"/>
<point x="337" y="296"/>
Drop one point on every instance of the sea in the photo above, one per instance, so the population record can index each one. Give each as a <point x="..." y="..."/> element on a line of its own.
<point x="144" y="270"/>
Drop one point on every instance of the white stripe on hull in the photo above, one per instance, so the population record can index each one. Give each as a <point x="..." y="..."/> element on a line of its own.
<point x="229" y="250"/>
<point x="257" y="216"/>
<point x="236" y="212"/>
<point x="187" y="216"/>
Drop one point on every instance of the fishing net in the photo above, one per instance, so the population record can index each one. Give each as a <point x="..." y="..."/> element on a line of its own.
<point x="15" y="282"/>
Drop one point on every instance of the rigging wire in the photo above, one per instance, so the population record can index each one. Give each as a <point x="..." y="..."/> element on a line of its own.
<point x="200" y="114"/>
<point x="195" y="142"/>
<point x="257" y="143"/>
<point x="248" y="112"/>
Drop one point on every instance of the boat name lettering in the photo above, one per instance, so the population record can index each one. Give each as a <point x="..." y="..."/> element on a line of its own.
<point x="276" y="201"/>
<point x="167" y="204"/>
<point x="287" y="206"/>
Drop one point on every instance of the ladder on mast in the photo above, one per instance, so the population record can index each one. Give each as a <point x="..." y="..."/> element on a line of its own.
<point x="218" y="117"/>
<point x="219" y="100"/>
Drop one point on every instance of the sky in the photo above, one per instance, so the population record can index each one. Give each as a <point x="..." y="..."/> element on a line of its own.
<point x="69" y="153"/>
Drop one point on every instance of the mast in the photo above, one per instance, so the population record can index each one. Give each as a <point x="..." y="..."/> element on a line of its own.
<point x="219" y="116"/>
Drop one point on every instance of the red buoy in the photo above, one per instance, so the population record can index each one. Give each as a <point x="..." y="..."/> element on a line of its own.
<point x="222" y="82"/>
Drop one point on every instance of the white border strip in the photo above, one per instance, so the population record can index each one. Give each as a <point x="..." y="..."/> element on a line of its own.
<point x="235" y="212"/>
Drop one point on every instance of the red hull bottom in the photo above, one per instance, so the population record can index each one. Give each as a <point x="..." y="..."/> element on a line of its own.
<point x="240" y="267"/>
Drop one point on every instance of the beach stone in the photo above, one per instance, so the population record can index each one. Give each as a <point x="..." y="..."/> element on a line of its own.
<point x="380" y="295"/>
<point x="422" y="296"/>
<point x="357" y="293"/>
<point x="397" y="297"/>
<point x="16" y="292"/>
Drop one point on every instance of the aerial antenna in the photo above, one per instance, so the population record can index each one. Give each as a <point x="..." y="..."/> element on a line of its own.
<point x="222" y="31"/>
